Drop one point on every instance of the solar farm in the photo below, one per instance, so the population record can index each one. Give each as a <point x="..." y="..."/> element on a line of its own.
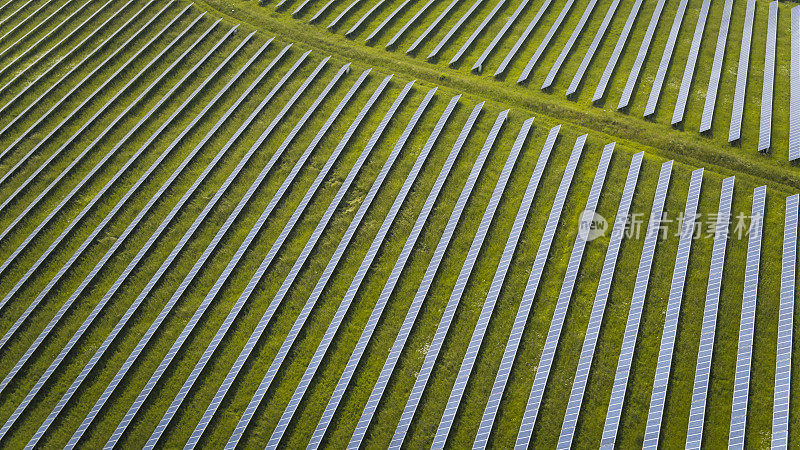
<point x="399" y="223"/>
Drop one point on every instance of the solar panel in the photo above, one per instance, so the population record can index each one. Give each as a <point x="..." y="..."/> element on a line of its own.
<point x="670" y="331"/>
<point x="461" y="283"/>
<point x="344" y="305"/>
<point x="545" y="42"/>
<point x="694" y="51"/>
<point x="391" y="282"/>
<point x="86" y="151"/>
<point x="70" y="53"/>
<point x="598" y="38"/>
<point x="551" y="342"/>
<point x="175" y="174"/>
<point x="765" y="129"/>
<point x="387" y="21"/>
<point x="145" y="249"/>
<point x="251" y="235"/>
<point x="321" y="11"/>
<point x="794" y="110"/>
<point x="666" y="57"/>
<point x="76" y="384"/>
<point x="409" y="23"/>
<point x="455" y="29"/>
<point x="523" y="38"/>
<point x="479" y="332"/>
<point x="741" y="385"/>
<point x="44" y="118"/>
<point x="309" y="247"/>
<point x="364" y="18"/>
<point x="600" y="90"/>
<point x="599" y="306"/>
<point x="622" y="373"/>
<point x="433" y="26"/>
<point x="14" y="14"/>
<point x="716" y="68"/>
<point x="20" y="248"/>
<point x="512" y="19"/>
<point x="783" y="358"/>
<point x="477" y="32"/>
<point x="644" y="50"/>
<point x="422" y="291"/>
<point x="512" y="345"/>
<point x="23" y="22"/>
<point x="741" y="75"/>
<point x="344" y="13"/>
<point x="694" y="435"/>
<point x="551" y="76"/>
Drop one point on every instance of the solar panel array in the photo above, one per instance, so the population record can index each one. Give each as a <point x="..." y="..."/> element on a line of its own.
<point x="421" y="294"/>
<point x="491" y="298"/>
<point x="556" y="67"/>
<point x="644" y="50"/>
<point x="600" y="90"/>
<point x="562" y="304"/>
<point x="391" y="283"/>
<point x="433" y="26"/>
<point x="614" y="413"/>
<point x="694" y="52"/>
<point x="526" y="72"/>
<point x="461" y="283"/>
<point x="666" y="57"/>
<point x="599" y="306"/>
<point x="702" y="374"/>
<point x="741" y="385"/>
<point x="716" y="67"/>
<point x="598" y="38"/>
<point x="477" y="32"/>
<point x="501" y="69"/>
<point x="669" y="334"/>
<point x="512" y="19"/>
<point x="741" y="75"/>
<point x="765" y="129"/>
<point x="454" y="29"/>
<point x="783" y="357"/>
<point x="794" y="108"/>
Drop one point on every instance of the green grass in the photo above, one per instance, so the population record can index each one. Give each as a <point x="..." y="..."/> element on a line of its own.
<point x="604" y="125"/>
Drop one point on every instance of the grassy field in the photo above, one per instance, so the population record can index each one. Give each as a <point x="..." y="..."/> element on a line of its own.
<point x="603" y="124"/>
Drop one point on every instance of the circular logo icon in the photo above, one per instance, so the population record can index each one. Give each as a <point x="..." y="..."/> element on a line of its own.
<point x="592" y="225"/>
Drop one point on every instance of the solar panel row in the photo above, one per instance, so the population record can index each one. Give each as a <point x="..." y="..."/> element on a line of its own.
<point x="454" y="29"/>
<point x="122" y="322"/>
<point x="598" y="308"/>
<point x="783" y="358"/>
<point x="402" y="31"/>
<point x="290" y="278"/>
<point x="512" y="19"/>
<point x="644" y="49"/>
<point x="14" y="14"/>
<point x="716" y="67"/>
<point x="478" y="31"/>
<point x="93" y="413"/>
<point x="523" y="38"/>
<point x="435" y="24"/>
<point x="565" y="51"/>
<point x="600" y="90"/>
<point x="254" y="230"/>
<point x="458" y="289"/>
<point x="666" y="57"/>
<point x="694" y="51"/>
<point x="55" y="65"/>
<point x="391" y="283"/>
<point x="765" y="129"/>
<point x="741" y="75"/>
<point x="344" y="14"/>
<point x="386" y="21"/>
<point x="562" y="304"/>
<point x="322" y="11"/>
<point x="669" y="333"/>
<point x="101" y="89"/>
<point x="479" y="332"/>
<point x="625" y="361"/>
<point x="58" y="208"/>
<point x="357" y="26"/>
<point x="741" y="385"/>
<point x="25" y="21"/>
<point x="422" y="291"/>
<point x="355" y="285"/>
<point x="694" y="435"/>
<point x="598" y="38"/>
<point x="794" y="109"/>
<point x="526" y="72"/>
